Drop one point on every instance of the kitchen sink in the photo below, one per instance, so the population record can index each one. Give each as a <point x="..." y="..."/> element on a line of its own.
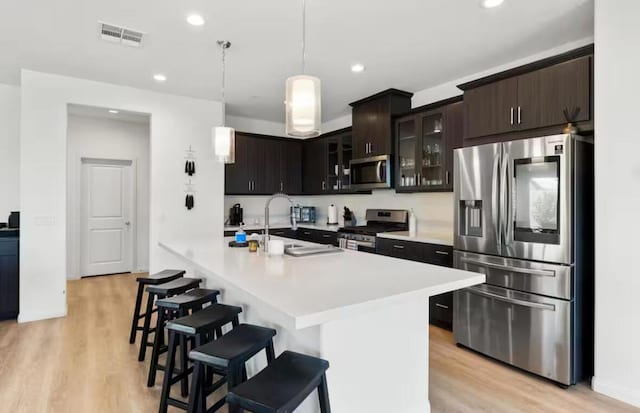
<point x="302" y="251"/>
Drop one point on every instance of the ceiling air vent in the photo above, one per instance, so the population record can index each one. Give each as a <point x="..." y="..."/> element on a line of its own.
<point x="117" y="34"/>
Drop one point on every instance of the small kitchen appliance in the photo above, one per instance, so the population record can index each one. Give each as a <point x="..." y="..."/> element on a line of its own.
<point x="14" y="220"/>
<point x="235" y="215"/>
<point x="378" y="220"/>
<point x="304" y="214"/>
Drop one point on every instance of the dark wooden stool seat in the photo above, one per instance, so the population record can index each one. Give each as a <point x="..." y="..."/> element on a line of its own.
<point x="168" y="289"/>
<point x="201" y="327"/>
<point x="170" y="308"/>
<point x="227" y="356"/>
<point x="153" y="279"/>
<point x="283" y="385"/>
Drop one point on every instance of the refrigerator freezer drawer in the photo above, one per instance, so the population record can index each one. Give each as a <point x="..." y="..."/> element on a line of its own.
<point x="524" y="330"/>
<point x="528" y="276"/>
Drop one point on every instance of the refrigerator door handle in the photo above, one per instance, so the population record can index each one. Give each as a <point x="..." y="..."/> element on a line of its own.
<point x="529" y="271"/>
<point x="515" y="301"/>
<point x="507" y="211"/>
<point x="496" y="199"/>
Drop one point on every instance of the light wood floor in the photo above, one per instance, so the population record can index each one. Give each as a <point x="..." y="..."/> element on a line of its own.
<point x="84" y="363"/>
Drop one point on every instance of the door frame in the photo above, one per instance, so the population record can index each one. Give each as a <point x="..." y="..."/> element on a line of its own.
<point x="82" y="218"/>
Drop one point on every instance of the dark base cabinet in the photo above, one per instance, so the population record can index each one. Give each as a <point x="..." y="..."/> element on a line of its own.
<point x="9" y="278"/>
<point x="440" y="306"/>
<point x="303" y="234"/>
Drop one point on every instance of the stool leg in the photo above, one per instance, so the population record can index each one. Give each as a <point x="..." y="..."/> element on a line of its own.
<point x="136" y="314"/>
<point x="184" y="365"/>
<point x="168" y="373"/>
<point x="197" y="392"/>
<point x="323" y="395"/>
<point x="233" y="379"/>
<point x="145" y="328"/>
<point x="270" y="352"/>
<point x="155" y="354"/>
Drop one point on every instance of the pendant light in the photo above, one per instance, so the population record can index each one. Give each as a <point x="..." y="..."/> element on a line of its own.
<point x="303" y="100"/>
<point x="224" y="138"/>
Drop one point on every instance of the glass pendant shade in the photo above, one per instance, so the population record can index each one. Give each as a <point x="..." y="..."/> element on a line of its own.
<point x="224" y="143"/>
<point x="303" y="104"/>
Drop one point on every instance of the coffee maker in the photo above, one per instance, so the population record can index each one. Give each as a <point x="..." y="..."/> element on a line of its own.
<point x="235" y="215"/>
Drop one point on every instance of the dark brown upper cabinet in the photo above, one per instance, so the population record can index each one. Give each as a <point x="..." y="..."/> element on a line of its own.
<point x="314" y="172"/>
<point x="425" y="141"/>
<point x="264" y="165"/>
<point x="373" y="124"/>
<point x="530" y="97"/>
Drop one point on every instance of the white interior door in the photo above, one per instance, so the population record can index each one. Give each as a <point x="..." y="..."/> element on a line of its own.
<point x="107" y="211"/>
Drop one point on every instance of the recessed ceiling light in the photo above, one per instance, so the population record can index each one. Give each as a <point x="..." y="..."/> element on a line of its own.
<point x="114" y="111"/>
<point x="195" y="20"/>
<point x="489" y="4"/>
<point x="357" y="68"/>
<point x="159" y="77"/>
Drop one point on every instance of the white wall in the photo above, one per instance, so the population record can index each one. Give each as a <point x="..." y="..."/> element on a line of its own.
<point x="264" y="127"/>
<point x="9" y="150"/>
<point x="433" y="210"/>
<point x="104" y="138"/>
<point x="176" y="123"/>
<point x="617" y="163"/>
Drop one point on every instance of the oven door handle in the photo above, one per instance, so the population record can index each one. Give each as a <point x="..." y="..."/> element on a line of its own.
<point x="523" y="303"/>
<point x="532" y="271"/>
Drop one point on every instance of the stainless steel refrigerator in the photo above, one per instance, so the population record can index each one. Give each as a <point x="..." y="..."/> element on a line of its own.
<point x="524" y="217"/>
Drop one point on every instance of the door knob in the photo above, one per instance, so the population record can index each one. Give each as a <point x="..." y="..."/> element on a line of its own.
<point x="127" y="223"/>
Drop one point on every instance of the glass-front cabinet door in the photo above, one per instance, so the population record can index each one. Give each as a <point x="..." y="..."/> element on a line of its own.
<point x="339" y="153"/>
<point x="407" y="142"/>
<point x="432" y="148"/>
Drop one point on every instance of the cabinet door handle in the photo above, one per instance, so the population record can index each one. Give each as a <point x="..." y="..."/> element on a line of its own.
<point x="512" y="115"/>
<point x="446" y="307"/>
<point x="398" y="247"/>
<point x="519" y="115"/>
<point x="446" y="177"/>
<point x="442" y="252"/>
<point x="281" y="186"/>
<point x="249" y="182"/>
<point x="324" y="185"/>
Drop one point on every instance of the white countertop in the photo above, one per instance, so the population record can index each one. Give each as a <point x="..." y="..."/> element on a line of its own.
<point x="308" y="291"/>
<point x="317" y="225"/>
<point x="442" y="237"/>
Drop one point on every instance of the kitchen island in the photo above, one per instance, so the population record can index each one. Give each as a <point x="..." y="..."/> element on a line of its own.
<point x="367" y="314"/>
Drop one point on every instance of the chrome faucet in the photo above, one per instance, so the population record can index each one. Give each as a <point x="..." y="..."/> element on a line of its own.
<point x="294" y="223"/>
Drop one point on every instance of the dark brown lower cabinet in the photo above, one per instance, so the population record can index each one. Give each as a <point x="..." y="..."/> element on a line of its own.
<point x="303" y="234"/>
<point x="440" y="306"/>
<point x="9" y="277"/>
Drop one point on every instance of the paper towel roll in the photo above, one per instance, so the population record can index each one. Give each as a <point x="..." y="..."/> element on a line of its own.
<point x="332" y="215"/>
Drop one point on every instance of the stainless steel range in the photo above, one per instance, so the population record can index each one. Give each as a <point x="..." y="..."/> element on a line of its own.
<point x="378" y="220"/>
<point x="524" y="217"/>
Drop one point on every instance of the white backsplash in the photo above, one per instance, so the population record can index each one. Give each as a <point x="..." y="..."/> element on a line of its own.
<point x="433" y="210"/>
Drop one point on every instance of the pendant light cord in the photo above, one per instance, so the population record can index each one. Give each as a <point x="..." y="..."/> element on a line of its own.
<point x="304" y="34"/>
<point x="224" y="45"/>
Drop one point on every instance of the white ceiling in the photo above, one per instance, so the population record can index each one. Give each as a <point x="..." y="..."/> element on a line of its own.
<point x="407" y="44"/>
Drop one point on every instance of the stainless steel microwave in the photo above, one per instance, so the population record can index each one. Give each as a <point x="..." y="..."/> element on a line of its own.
<point x="371" y="173"/>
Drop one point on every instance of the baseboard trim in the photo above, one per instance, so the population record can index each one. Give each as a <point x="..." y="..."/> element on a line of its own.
<point x="27" y="317"/>
<point x="616" y="391"/>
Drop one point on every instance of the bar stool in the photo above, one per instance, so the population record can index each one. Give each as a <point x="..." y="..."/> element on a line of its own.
<point x="170" y="308"/>
<point x="226" y="356"/>
<point x="201" y="327"/>
<point x="154" y="279"/>
<point x="282" y="386"/>
<point x="169" y="289"/>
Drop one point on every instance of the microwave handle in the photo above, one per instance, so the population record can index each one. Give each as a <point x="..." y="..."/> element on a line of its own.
<point x="380" y="171"/>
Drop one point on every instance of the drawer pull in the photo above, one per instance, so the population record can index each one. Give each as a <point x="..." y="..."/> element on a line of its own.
<point x="306" y="233"/>
<point x="442" y="252"/>
<point x="399" y="247"/>
<point x="326" y="236"/>
<point x="446" y="307"/>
